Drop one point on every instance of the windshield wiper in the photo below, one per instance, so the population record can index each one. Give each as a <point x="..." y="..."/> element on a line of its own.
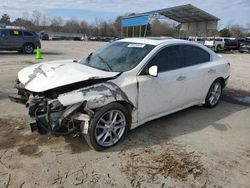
<point x="104" y="62"/>
<point x="89" y="56"/>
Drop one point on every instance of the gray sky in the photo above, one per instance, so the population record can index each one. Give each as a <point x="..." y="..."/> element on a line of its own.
<point x="229" y="11"/>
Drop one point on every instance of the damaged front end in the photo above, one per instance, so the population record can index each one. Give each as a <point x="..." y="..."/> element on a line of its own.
<point x="66" y="113"/>
<point x="51" y="116"/>
<point x="48" y="114"/>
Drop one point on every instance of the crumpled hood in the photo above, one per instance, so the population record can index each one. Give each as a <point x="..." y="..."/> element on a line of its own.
<point x="45" y="76"/>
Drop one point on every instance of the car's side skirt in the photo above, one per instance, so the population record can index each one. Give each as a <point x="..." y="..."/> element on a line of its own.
<point x="134" y="125"/>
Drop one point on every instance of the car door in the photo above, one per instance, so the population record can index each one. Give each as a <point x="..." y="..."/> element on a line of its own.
<point x="16" y="39"/>
<point x="198" y="72"/>
<point x="4" y="39"/>
<point x="166" y="92"/>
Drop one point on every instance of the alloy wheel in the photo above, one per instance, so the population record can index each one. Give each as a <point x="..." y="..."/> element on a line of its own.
<point x="110" y="128"/>
<point x="215" y="93"/>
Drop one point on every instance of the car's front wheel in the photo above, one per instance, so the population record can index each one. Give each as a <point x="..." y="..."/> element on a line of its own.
<point x="214" y="94"/>
<point x="108" y="126"/>
<point x="28" y="48"/>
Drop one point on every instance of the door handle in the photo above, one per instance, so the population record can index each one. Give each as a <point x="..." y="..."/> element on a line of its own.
<point x="181" y="78"/>
<point x="211" y="71"/>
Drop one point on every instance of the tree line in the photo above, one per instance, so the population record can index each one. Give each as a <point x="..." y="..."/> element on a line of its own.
<point x="40" y="22"/>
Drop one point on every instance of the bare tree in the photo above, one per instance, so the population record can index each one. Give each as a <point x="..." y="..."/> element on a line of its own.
<point x="36" y="17"/>
<point x="162" y="28"/>
<point x="44" y="21"/>
<point x="117" y="26"/>
<point x="236" y="31"/>
<point x="84" y="27"/>
<point x="72" y="26"/>
<point x="56" y="24"/>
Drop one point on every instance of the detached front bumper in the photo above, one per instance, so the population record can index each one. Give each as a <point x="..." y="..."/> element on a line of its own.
<point x="22" y="96"/>
<point x="18" y="98"/>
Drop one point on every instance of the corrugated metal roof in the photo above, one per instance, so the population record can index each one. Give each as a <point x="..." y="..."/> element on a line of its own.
<point x="182" y="14"/>
<point x="187" y="13"/>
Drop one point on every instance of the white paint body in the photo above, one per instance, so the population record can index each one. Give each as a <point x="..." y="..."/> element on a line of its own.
<point x="152" y="97"/>
<point x="54" y="74"/>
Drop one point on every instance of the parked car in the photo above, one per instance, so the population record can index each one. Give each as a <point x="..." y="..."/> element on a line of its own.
<point x="231" y="44"/>
<point x="216" y="44"/>
<point x="116" y="39"/>
<point x="199" y="40"/>
<point x="245" y="46"/>
<point x="23" y="41"/>
<point x="119" y="87"/>
<point x="242" y="40"/>
<point x="43" y="35"/>
<point x="92" y="38"/>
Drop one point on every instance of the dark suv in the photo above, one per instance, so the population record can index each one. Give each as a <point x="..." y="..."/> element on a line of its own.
<point x="231" y="44"/>
<point x="22" y="41"/>
<point x="244" y="46"/>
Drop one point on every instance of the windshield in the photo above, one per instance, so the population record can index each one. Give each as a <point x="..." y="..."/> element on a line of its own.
<point x="218" y="40"/>
<point x="118" y="56"/>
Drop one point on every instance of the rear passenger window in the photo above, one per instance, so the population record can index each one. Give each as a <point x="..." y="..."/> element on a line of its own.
<point x="195" y="55"/>
<point x="3" y="33"/>
<point x="168" y="59"/>
<point x="27" y="34"/>
<point x="15" y="33"/>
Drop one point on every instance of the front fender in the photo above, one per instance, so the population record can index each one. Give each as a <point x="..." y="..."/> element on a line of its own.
<point x="95" y="96"/>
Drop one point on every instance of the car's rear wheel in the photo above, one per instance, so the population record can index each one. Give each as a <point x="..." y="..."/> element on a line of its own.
<point x="28" y="48"/>
<point x="218" y="48"/>
<point x="214" y="94"/>
<point x="108" y="126"/>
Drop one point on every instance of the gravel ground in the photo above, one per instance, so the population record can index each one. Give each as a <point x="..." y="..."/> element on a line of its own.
<point x="196" y="147"/>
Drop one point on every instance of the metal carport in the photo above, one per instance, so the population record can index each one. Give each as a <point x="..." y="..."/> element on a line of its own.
<point x="193" y="20"/>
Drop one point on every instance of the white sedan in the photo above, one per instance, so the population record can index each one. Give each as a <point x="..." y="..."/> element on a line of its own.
<point x="119" y="87"/>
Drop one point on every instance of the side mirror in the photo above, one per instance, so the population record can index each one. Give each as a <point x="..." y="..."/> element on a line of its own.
<point x="153" y="71"/>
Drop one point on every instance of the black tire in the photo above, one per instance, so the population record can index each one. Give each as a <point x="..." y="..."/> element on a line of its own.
<point x="208" y="102"/>
<point x="218" y="49"/>
<point x="99" y="113"/>
<point x="28" y="48"/>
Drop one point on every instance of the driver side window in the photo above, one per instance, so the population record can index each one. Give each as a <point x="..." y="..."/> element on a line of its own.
<point x="169" y="58"/>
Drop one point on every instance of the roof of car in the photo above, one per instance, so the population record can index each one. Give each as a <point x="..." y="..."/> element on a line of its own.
<point x="153" y="40"/>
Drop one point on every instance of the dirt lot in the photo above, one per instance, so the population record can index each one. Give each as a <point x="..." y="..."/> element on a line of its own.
<point x="196" y="147"/>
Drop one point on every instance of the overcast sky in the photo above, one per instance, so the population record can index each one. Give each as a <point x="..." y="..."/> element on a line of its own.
<point x="229" y="11"/>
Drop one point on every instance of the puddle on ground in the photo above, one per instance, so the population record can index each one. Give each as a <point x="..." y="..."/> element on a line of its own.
<point x="236" y="96"/>
<point x="28" y="150"/>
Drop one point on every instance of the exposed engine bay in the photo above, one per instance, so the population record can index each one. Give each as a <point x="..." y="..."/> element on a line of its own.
<point x="62" y="112"/>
